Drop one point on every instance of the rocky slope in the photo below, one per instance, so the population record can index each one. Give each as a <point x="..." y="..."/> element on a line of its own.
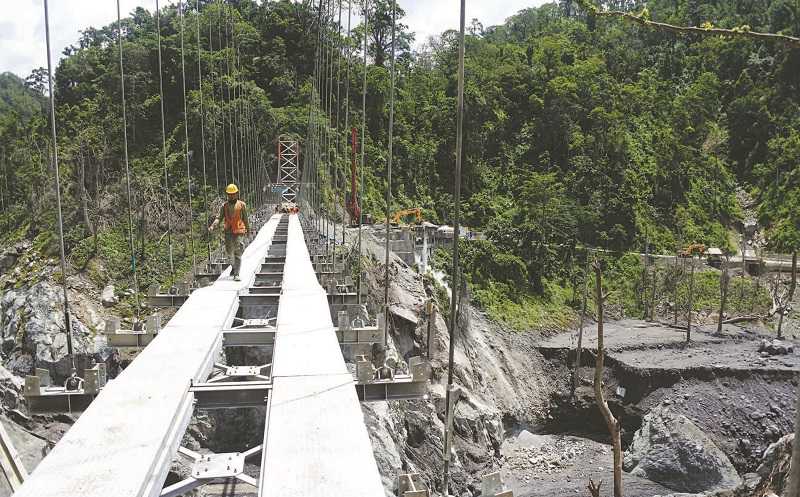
<point x="694" y="420"/>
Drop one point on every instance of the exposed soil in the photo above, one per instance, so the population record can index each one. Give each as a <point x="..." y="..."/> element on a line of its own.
<point x="741" y="398"/>
<point x="562" y="465"/>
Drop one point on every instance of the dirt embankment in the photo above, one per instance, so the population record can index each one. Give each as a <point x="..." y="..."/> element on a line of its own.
<point x="740" y="396"/>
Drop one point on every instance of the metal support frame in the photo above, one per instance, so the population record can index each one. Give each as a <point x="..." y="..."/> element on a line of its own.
<point x="43" y="397"/>
<point x="116" y="337"/>
<point x="288" y="167"/>
<point x="403" y="385"/>
<point x="231" y="394"/>
<point x="177" y="296"/>
<point x="411" y="485"/>
<point x="223" y="372"/>
<point x="260" y="299"/>
<point x="248" y="338"/>
<point x="212" y="468"/>
<point x="492" y="486"/>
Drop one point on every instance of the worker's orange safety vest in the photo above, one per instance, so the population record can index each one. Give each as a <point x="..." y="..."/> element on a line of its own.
<point x="233" y="220"/>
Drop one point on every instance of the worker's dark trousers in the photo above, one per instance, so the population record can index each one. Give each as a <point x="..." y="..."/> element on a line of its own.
<point x="234" y="246"/>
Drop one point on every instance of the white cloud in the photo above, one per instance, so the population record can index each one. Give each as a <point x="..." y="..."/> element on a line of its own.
<point x="22" y="38"/>
<point x="432" y="17"/>
<point x="22" y="35"/>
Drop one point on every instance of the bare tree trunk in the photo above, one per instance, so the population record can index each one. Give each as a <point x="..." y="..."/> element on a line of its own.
<point x="84" y="196"/>
<point x="576" y="369"/>
<point x="3" y="190"/>
<point x="611" y="422"/>
<point x="691" y="302"/>
<point x="142" y="229"/>
<point x="793" y="283"/>
<point x="677" y="284"/>
<point x="787" y="302"/>
<point x="780" y="303"/>
<point x="758" y="282"/>
<point x="653" y="295"/>
<point x="643" y="294"/>
<point x="723" y="289"/>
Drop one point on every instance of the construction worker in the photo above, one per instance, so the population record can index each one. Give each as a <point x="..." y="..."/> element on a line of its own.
<point x="234" y="215"/>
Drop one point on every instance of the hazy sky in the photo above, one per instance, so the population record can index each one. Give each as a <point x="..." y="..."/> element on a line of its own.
<point x="22" y="40"/>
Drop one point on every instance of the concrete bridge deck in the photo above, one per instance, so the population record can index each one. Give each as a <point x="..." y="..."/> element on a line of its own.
<point x="316" y="443"/>
<point x="124" y="442"/>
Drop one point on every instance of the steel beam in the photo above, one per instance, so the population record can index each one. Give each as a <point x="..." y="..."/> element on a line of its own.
<point x="248" y="338"/>
<point x="392" y="390"/>
<point x="166" y="300"/>
<point x="259" y="300"/>
<point x="231" y="395"/>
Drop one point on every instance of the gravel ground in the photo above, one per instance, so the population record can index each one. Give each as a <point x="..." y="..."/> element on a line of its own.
<point x="561" y="465"/>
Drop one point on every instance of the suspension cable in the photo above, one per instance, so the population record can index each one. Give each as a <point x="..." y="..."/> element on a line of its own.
<point x="213" y="103"/>
<point x="315" y="108"/>
<point x="207" y="235"/>
<point x="389" y="181"/>
<point x="186" y="143"/>
<point x="234" y="177"/>
<point x="347" y="107"/>
<point x="222" y="114"/>
<point x="319" y="103"/>
<point x="331" y="131"/>
<point x="323" y="116"/>
<point x="54" y="137"/>
<point x="337" y="133"/>
<point x="164" y="145"/>
<point x="237" y="113"/>
<point x="127" y="166"/>
<point x="328" y="110"/>
<point x="310" y="158"/>
<point x="363" y="139"/>
<point x="456" y="237"/>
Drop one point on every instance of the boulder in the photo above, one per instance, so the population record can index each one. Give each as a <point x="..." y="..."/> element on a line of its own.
<point x="671" y="450"/>
<point x="775" y="347"/>
<point x="7" y="261"/>
<point x="108" y="298"/>
<point x="34" y="316"/>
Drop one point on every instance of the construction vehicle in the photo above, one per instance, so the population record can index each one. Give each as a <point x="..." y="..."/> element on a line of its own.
<point x="691" y="250"/>
<point x="416" y="212"/>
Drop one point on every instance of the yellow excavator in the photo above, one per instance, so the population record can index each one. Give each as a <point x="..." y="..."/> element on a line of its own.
<point x="416" y="212"/>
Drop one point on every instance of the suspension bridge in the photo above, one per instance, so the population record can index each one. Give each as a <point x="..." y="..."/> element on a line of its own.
<point x="296" y="305"/>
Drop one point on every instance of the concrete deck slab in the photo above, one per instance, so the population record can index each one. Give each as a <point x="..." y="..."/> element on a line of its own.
<point x="121" y="446"/>
<point x="316" y="442"/>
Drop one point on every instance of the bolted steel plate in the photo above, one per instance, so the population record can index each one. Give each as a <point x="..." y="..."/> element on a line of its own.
<point x="225" y="465"/>
<point x="243" y="371"/>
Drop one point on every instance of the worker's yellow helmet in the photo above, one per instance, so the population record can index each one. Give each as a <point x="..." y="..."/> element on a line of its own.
<point x="231" y="189"/>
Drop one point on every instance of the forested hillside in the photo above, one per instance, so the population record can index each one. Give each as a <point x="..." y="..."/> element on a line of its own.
<point x="579" y="130"/>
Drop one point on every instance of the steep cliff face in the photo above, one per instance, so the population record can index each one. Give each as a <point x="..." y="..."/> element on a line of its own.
<point x="500" y="374"/>
<point x="515" y="414"/>
<point x="32" y="314"/>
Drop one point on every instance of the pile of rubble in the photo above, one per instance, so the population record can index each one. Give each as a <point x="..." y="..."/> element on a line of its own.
<point x="552" y="456"/>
